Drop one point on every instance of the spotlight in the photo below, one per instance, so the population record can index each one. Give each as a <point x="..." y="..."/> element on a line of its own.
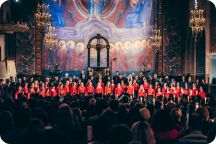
<point x="16" y="0"/>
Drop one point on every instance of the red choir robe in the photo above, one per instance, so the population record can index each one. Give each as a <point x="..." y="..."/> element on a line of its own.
<point x="32" y="91"/>
<point x="130" y="90"/>
<point x="136" y="86"/>
<point x="53" y="93"/>
<point x="48" y="93"/>
<point x="46" y="87"/>
<point x="61" y="92"/>
<point x="186" y="91"/>
<point x="36" y="87"/>
<point x="25" y="90"/>
<point x="16" y="94"/>
<point x="175" y="93"/>
<point x="89" y="90"/>
<point x="178" y="89"/>
<point x="194" y="91"/>
<point x="42" y="93"/>
<point x="141" y="93"/>
<point x="146" y="86"/>
<point x="99" y="90"/>
<point x="113" y="87"/>
<point x="159" y="94"/>
<point x="73" y="91"/>
<point x="156" y="88"/>
<point x="202" y="94"/>
<point x="123" y="86"/>
<point x="164" y="89"/>
<point x="151" y="92"/>
<point x="67" y="89"/>
<point x="118" y="91"/>
<point x="108" y="90"/>
<point x="167" y="93"/>
<point x="81" y="90"/>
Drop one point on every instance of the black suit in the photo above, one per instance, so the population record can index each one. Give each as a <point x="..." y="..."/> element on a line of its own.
<point x="1" y="90"/>
<point x="7" y="90"/>
<point x="116" y="79"/>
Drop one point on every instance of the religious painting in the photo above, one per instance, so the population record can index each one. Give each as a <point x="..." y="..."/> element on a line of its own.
<point x="127" y="24"/>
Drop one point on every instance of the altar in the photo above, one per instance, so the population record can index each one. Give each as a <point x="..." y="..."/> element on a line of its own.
<point x="97" y="44"/>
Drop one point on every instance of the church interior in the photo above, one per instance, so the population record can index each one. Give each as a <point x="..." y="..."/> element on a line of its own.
<point x="152" y="56"/>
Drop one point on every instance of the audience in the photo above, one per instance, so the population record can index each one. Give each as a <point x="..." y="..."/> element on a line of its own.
<point x="51" y="111"/>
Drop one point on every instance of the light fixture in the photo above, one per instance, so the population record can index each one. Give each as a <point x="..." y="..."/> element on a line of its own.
<point x="42" y="15"/>
<point x="156" y="42"/>
<point x="197" y="24"/>
<point x="197" y="20"/>
<point x="50" y="37"/>
<point x="23" y="25"/>
<point x="156" y="39"/>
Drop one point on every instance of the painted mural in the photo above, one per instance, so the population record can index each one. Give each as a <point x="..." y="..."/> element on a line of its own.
<point x="127" y="24"/>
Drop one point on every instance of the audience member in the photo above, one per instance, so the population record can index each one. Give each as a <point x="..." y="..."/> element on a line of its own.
<point x="195" y="135"/>
<point x="142" y="132"/>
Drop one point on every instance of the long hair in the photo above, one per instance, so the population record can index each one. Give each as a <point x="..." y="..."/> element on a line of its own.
<point x="64" y="119"/>
<point x="142" y="132"/>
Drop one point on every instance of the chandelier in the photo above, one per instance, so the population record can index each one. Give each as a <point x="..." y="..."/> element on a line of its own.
<point x="156" y="38"/>
<point x="42" y="15"/>
<point x="23" y="25"/>
<point x="50" y="37"/>
<point x="197" y="20"/>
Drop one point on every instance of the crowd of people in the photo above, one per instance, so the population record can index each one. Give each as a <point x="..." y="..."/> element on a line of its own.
<point x="134" y="109"/>
<point x="134" y="86"/>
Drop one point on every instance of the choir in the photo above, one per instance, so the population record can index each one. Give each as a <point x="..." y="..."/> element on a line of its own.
<point x="140" y="87"/>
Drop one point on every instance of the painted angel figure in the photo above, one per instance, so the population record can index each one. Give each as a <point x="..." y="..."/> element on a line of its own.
<point x="95" y="8"/>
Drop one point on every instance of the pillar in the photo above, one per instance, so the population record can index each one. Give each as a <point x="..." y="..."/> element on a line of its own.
<point x="2" y="47"/>
<point x="160" y="27"/>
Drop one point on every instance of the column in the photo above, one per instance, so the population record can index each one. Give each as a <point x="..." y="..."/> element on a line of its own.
<point x="98" y="55"/>
<point x="108" y="47"/>
<point x="160" y="27"/>
<point x="208" y="42"/>
<point x="2" y="49"/>
<point x="89" y="48"/>
<point x="38" y="50"/>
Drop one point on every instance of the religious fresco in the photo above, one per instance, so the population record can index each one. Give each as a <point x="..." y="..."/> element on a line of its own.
<point x="127" y="24"/>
